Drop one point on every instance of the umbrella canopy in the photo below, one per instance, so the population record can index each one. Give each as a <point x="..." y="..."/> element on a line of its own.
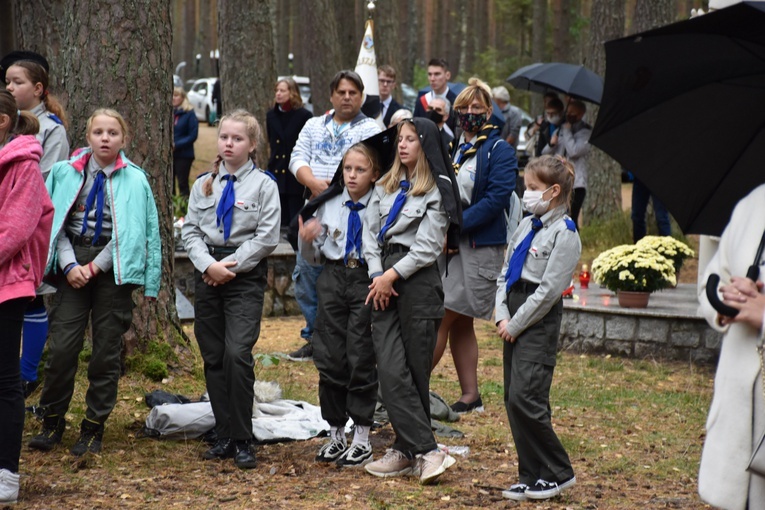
<point x="576" y="81"/>
<point x="684" y="110"/>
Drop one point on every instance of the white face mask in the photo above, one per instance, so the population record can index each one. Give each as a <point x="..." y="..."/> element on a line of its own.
<point x="533" y="202"/>
<point x="553" y="119"/>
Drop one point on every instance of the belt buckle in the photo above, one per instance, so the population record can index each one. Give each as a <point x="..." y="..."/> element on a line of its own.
<point x="87" y="240"/>
<point x="353" y="263"/>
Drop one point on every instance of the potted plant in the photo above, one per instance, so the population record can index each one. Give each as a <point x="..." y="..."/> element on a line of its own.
<point x="633" y="272"/>
<point x="670" y="247"/>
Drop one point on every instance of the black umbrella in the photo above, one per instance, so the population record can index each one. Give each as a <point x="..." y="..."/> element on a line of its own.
<point x="574" y="80"/>
<point x="684" y="110"/>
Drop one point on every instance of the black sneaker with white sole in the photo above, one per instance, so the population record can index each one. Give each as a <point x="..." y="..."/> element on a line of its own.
<point x="357" y="455"/>
<point x="516" y="492"/>
<point x="331" y="451"/>
<point x="305" y="353"/>
<point x="543" y="489"/>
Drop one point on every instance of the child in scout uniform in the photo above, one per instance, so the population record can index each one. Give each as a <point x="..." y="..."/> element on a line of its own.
<point x="342" y="339"/>
<point x="105" y="243"/>
<point x="545" y="251"/>
<point x="25" y="74"/>
<point x="405" y="228"/>
<point x="231" y="227"/>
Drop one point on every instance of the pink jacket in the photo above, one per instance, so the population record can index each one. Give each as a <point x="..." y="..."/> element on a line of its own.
<point x="26" y="217"/>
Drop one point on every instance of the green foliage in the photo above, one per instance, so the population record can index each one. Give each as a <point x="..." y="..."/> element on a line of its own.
<point x="180" y="205"/>
<point x="420" y="77"/>
<point x="155" y="369"/>
<point x="266" y="360"/>
<point x="153" y="362"/>
<point x="85" y="354"/>
<point x="598" y="236"/>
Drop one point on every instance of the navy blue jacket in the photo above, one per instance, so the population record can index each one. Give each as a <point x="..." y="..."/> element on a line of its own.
<point x="185" y="131"/>
<point x="496" y="171"/>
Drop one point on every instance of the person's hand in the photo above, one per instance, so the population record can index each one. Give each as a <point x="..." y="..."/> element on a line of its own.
<point x="94" y="270"/>
<point x="218" y="274"/>
<point x="78" y="276"/>
<point x="382" y="289"/>
<point x="503" y="333"/>
<point x="309" y="230"/>
<point x="745" y="296"/>
<point x="554" y="139"/>
<point x="317" y="186"/>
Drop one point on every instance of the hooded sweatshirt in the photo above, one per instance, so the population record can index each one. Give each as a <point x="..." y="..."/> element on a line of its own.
<point x="26" y="217"/>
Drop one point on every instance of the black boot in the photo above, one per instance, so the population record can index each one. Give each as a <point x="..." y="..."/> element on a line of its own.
<point x="245" y="455"/>
<point x="52" y="432"/>
<point x="91" y="435"/>
<point x="223" y="449"/>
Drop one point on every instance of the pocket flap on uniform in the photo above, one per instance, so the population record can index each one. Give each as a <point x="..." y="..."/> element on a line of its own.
<point x="205" y="202"/>
<point x="246" y="205"/>
<point x="413" y="211"/>
<point x="488" y="273"/>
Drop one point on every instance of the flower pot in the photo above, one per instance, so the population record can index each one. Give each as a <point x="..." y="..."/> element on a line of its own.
<point x="633" y="299"/>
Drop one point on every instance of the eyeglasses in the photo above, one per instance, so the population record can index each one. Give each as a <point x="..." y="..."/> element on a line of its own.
<point x="471" y="109"/>
<point x="385" y="82"/>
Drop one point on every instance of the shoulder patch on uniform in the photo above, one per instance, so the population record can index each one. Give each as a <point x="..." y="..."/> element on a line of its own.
<point x="54" y="118"/>
<point x="272" y="176"/>
<point x="202" y="175"/>
<point x="570" y="224"/>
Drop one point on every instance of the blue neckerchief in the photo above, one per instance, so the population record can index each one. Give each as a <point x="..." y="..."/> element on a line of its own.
<point x="515" y="267"/>
<point x="225" y="211"/>
<point x="353" y="235"/>
<point x="398" y="204"/>
<point x="96" y="195"/>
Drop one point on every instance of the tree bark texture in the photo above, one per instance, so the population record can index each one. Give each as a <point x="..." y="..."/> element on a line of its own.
<point x="248" y="61"/>
<point x="116" y="54"/>
<point x="653" y="14"/>
<point x="538" y="38"/>
<point x="322" y="50"/>
<point x="562" y="30"/>
<point x="37" y="28"/>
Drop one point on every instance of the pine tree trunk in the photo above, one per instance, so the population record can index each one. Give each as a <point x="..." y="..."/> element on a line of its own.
<point x="119" y="57"/>
<point x="37" y="28"/>
<point x="538" y="37"/>
<point x="323" y="52"/>
<point x="562" y="30"/>
<point x="604" y="196"/>
<point x="387" y="41"/>
<point x="248" y="61"/>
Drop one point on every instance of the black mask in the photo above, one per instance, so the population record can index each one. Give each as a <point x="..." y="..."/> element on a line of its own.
<point x="435" y="116"/>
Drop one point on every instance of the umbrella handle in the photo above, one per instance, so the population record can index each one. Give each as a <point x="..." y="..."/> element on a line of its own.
<point x="714" y="280"/>
<point x="714" y="299"/>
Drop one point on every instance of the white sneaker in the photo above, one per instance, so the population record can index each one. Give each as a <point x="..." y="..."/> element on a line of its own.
<point x="433" y="464"/>
<point x="516" y="492"/>
<point x="331" y="451"/>
<point x="9" y="487"/>
<point x="356" y="455"/>
<point x="394" y="463"/>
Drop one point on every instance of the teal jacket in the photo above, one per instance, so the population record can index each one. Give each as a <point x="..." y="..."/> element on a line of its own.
<point x="137" y="250"/>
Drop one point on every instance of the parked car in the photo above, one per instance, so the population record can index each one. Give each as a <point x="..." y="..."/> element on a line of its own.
<point x="200" y="97"/>
<point x="304" y="86"/>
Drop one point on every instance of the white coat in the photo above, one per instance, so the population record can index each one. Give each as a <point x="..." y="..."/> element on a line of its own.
<point x="723" y="478"/>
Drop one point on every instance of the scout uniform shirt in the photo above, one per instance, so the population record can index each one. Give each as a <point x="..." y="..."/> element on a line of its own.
<point x="552" y="258"/>
<point x="333" y="216"/>
<point x="421" y="226"/>
<point x="255" y="223"/>
<point x="52" y="137"/>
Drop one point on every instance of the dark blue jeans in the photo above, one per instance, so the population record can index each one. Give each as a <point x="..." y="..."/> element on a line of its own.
<point x="640" y="197"/>
<point x="11" y="395"/>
